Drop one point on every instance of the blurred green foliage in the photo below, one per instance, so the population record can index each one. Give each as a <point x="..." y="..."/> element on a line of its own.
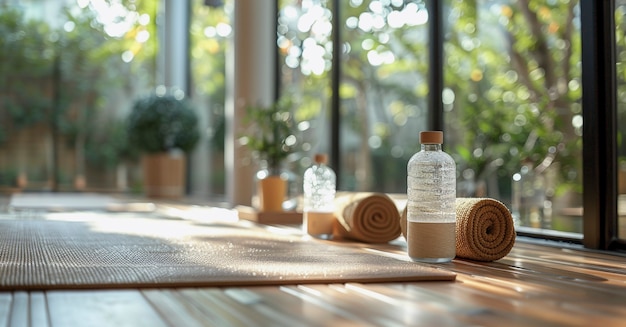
<point x="68" y="77"/>
<point x="517" y="106"/>
<point x="162" y="123"/>
<point x="271" y="132"/>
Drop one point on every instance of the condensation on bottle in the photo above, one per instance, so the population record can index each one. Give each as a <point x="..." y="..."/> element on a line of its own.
<point x="319" y="186"/>
<point x="431" y="194"/>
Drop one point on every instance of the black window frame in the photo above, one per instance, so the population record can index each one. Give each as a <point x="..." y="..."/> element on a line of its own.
<point x="600" y="218"/>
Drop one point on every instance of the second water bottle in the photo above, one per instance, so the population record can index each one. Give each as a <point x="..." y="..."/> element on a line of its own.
<point x="319" y="184"/>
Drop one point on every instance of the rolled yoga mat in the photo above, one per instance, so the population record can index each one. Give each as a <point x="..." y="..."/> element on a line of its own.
<point x="484" y="229"/>
<point x="366" y="217"/>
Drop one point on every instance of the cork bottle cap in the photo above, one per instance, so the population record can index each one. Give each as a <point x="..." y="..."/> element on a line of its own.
<point x="431" y="137"/>
<point x="321" y="158"/>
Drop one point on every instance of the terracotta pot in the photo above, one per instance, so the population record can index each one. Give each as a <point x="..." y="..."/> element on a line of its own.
<point x="164" y="175"/>
<point x="80" y="182"/>
<point x="271" y="191"/>
<point x="22" y="180"/>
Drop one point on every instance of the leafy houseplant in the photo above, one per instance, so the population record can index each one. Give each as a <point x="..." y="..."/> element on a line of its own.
<point x="271" y="139"/>
<point x="163" y="128"/>
<point x="162" y="124"/>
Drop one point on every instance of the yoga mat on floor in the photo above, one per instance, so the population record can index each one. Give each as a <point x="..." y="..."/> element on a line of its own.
<point x="114" y="251"/>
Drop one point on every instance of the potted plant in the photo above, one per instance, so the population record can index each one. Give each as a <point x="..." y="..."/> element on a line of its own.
<point x="164" y="128"/>
<point x="271" y="139"/>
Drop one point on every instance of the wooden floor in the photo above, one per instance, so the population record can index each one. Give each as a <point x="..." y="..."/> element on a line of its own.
<point x="535" y="285"/>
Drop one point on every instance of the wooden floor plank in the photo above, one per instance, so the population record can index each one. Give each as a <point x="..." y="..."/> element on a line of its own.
<point x="176" y="309"/>
<point x="447" y="300"/>
<point x="108" y="308"/>
<point x="6" y="298"/>
<point x="38" y="310"/>
<point x="524" y="300"/>
<point x="282" y="301"/>
<point x="19" y="315"/>
<point x="265" y="305"/>
<point x="381" y="311"/>
<point x="223" y="310"/>
<point x="309" y="295"/>
<point x="537" y="280"/>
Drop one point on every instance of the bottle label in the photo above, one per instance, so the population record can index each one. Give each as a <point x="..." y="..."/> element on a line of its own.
<point x="432" y="193"/>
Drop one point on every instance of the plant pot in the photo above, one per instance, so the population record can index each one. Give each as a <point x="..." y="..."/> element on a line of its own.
<point x="272" y="191"/>
<point x="21" y="181"/>
<point x="277" y="189"/>
<point x="164" y="175"/>
<point x="80" y="182"/>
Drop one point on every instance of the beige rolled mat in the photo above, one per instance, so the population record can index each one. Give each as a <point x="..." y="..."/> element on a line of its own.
<point x="484" y="229"/>
<point x="366" y="217"/>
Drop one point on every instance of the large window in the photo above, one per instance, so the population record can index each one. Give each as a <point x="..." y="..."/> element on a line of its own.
<point x="382" y="88"/>
<point x="361" y="75"/>
<point x="304" y="42"/>
<point x="512" y="101"/>
<point x="210" y="31"/>
<point x="69" y="74"/>
<point x="511" y="96"/>
<point x="383" y="91"/>
<point x="69" y="71"/>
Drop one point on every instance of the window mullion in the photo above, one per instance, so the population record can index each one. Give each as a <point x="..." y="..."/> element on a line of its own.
<point x="599" y="128"/>
<point x="435" y="58"/>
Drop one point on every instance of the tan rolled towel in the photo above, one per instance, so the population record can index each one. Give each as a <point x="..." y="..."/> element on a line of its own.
<point x="484" y="229"/>
<point x="366" y="217"/>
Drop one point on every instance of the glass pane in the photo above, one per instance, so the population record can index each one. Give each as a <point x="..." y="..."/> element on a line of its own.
<point x="383" y="91"/>
<point x="304" y="40"/>
<point x="620" y="22"/>
<point x="210" y="31"/>
<point x="513" y="113"/>
<point x="68" y="78"/>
